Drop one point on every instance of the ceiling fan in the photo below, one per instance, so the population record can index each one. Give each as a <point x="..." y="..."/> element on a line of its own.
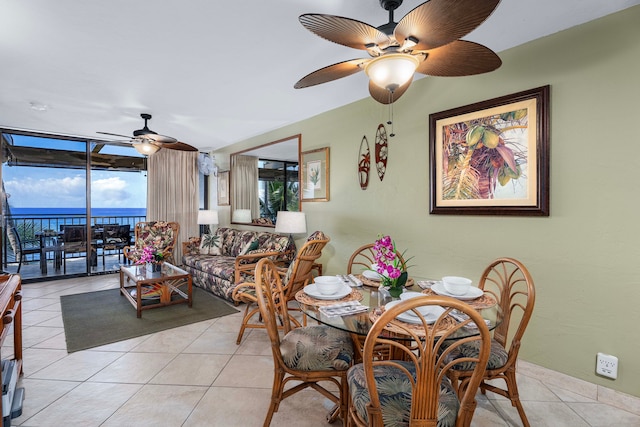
<point x="146" y="141"/>
<point x="425" y="40"/>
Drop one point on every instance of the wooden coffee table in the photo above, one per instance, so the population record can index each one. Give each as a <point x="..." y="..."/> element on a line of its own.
<point x="152" y="290"/>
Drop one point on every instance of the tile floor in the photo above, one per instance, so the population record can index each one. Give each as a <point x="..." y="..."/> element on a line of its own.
<point x="197" y="376"/>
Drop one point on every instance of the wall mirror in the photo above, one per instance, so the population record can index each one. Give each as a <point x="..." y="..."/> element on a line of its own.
<point x="265" y="180"/>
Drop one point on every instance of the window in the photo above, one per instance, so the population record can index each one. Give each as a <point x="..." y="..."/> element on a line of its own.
<point x="278" y="187"/>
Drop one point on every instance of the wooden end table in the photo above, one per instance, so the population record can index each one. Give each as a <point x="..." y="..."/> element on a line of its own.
<point x="166" y="284"/>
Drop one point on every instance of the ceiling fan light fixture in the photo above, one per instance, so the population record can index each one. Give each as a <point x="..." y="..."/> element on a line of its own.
<point x="146" y="148"/>
<point x="392" y="70"/>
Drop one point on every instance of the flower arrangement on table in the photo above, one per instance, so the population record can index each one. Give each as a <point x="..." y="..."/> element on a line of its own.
<point x="151" y="255"/>
<point x="391" y="267"/>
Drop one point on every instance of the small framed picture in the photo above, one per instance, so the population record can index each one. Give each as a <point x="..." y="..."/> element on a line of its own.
<point x="223" y="188"/>
<point x="314" y="179"/>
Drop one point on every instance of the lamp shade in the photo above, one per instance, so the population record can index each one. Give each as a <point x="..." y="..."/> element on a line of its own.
<point x="291" y="222"/>
<point x="242" y="216"/>
<point x="146" y="148"/>
<point x="392" y="70"/>
<point x="207" y="217"/>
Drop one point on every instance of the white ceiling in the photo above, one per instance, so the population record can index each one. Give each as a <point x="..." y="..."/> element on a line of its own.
<point x="212" y="73"/>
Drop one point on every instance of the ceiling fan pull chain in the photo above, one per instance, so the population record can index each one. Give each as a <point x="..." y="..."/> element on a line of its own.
<point x="390" y="121"/>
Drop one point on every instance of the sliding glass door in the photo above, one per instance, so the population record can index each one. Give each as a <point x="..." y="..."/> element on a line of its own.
<point x="58" y="195"/>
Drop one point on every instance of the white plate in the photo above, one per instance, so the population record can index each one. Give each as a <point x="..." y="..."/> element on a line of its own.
<point x="430" y="313"/>
<point x="342" y="292"/>
<point x="472" y="293"/>
<point x="371" y="275"/>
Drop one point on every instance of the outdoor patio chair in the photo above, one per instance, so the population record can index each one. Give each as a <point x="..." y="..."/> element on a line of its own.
<point x="21" y="248"/>
<point x="113" y="240"/>
<point x="74" y="241"/>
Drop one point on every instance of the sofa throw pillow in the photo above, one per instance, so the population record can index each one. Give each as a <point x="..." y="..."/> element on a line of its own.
<point x="252" y="247"/>
<point x="210" y="244"/>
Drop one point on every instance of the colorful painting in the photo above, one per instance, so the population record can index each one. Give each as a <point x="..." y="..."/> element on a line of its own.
<point x="492" y="157"/>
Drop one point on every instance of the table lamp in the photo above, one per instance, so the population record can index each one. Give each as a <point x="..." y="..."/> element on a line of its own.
<point x="207" y="217"/>
<point x="242" y="216"/>
<point x="291" y="222"/>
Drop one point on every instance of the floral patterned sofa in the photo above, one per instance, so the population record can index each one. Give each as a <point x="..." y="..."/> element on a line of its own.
<point x="219" y="261"/>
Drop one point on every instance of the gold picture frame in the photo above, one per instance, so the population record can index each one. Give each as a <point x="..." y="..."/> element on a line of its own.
<point x="314" y="176"/>
<point x="223" y="188"/>
<point x="491" y="157"/>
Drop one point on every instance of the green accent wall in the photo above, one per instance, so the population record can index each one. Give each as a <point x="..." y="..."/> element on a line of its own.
<point x="584" y="257"/>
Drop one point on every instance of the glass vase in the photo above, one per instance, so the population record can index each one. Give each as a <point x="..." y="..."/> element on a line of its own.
<point x="153" y="267"/>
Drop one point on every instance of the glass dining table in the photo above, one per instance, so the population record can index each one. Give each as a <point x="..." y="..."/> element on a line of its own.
<point x="375" y="299"/>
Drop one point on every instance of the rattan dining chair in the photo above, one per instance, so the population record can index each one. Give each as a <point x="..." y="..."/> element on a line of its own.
<point x="412" y="389"/>
<point x="363" y="257"/>
<point x="295" y="277"/>
<point x="510" y="283"/>
<point x="304" y="355"/>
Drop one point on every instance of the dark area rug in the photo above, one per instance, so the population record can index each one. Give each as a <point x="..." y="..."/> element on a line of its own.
<point x="97" y="318"/>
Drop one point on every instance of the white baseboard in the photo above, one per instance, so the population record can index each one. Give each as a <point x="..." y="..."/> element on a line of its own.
<point x="584" y="388"/>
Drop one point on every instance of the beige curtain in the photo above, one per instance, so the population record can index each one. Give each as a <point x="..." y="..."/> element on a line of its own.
<point x="244" y="179"/>
<point x="172" y="193"/>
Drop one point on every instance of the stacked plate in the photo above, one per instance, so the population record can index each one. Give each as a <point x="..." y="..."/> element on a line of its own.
<point x="429" y="312"/>
<point x="312" y="291"/>
<point x="472" y="293"/>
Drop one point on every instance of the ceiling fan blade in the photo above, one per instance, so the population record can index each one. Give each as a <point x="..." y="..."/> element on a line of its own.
<point x="154" y="137"/>
<point x="459" y="58"/>
<point x="345" y="31"/>
<point x="180" y="146"/>
<point x="331" y="72"/>
<point x="114" y="134"/>
<point x="436" y="23"/>
<point x="383" y="95"/>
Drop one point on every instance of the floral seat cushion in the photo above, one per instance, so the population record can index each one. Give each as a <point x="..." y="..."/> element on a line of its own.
<point x="497" y="358"/>
<point x="394" y="389"/>
<point x="317" y="348"/>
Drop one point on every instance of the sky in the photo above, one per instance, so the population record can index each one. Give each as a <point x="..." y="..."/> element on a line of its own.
<point x="40" y="187"/>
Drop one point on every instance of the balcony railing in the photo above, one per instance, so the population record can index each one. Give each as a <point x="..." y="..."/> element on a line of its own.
<point x="29" y="228"/>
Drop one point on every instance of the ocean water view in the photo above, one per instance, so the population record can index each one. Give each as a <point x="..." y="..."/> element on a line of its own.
<point x="32" y="220"/>
<point x="96" y="212"/>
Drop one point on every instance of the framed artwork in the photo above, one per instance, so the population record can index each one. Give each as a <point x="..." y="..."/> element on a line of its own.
<point x="491" y="157"/>
<point x="223" y="188"/>
<point x="314" y="179"/>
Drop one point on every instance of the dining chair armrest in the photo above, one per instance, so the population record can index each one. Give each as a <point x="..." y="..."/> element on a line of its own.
<point x="246" y="264"/>
<point x="244" y="292"/>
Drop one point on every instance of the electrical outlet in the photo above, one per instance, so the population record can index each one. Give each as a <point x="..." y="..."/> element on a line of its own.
<point x="607" y="365"/>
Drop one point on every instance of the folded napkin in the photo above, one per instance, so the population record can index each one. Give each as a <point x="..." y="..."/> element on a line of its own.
<point x="426" y="284"/>
<point x="461" y="317"/>
<point x="343" y="308"/>
<point x="355" y="281"/>
<point x="350" y="280"/>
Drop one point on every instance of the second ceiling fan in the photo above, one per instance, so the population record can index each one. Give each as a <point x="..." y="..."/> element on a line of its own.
<point x="147" y="142"/>
<point x="425" y="40"/>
